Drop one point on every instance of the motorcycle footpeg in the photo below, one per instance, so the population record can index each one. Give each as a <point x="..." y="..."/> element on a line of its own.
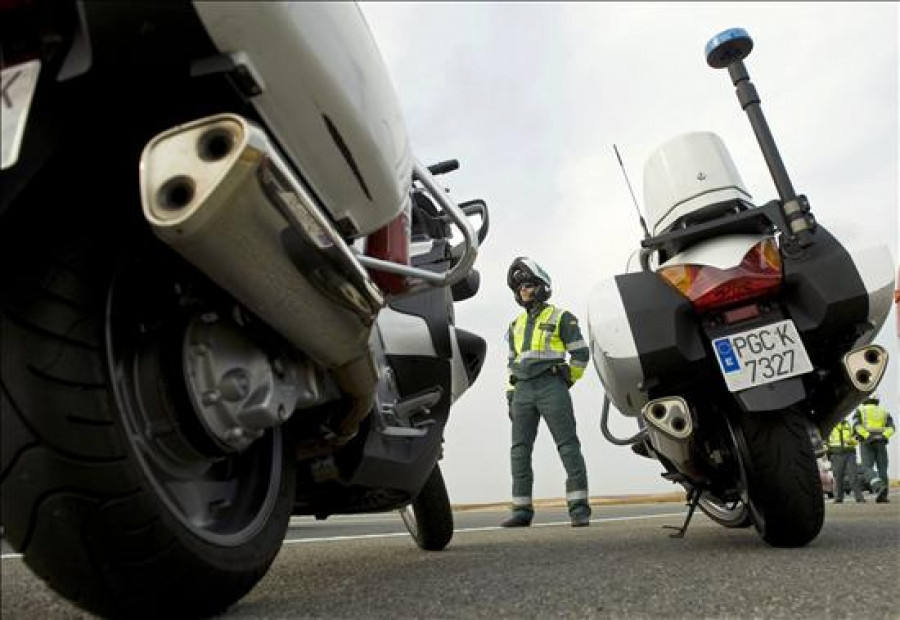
<point x="405" y="408"/>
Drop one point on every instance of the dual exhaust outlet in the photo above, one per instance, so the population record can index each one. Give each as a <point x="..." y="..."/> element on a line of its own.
<point x="865" y="367"/>
<point x="670" y="427"/>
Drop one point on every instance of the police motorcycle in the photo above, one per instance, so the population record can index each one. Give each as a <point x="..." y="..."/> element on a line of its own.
<point x="227" y="295"/>
<point x="745" y="335"/>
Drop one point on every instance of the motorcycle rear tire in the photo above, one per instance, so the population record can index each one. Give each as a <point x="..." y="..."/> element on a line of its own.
<point x="78" y="502"/>
<point x="429" y="518"/>
<point x="784" y="485"/>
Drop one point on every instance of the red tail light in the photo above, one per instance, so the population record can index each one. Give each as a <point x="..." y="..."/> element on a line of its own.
<point x="390" y="243"/>
<point x="758" y="273"/>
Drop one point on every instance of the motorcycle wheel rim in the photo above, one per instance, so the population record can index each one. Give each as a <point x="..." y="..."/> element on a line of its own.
<point x="224" y="499"/>
<point x="724" y="511"/>
<point x="408" y="514"/>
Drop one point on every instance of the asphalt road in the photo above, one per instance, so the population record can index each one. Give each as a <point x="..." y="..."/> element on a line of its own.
<point x="624" y="565"/>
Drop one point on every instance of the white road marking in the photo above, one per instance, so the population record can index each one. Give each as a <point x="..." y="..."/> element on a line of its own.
<point x="10" y="556"/>
<point x="475" y="529"/>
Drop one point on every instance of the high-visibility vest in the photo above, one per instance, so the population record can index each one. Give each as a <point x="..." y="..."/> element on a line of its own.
<point x="842" y="436"/>
<point x="545" y="341"/>
<point x="873" y="418"/>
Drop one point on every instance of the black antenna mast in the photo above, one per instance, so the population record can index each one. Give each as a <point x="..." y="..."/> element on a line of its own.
<point x="627" y="182"/>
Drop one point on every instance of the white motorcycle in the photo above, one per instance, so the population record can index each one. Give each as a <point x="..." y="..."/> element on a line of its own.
<point x="746" y="334"/>
<point x="227" y="295"/>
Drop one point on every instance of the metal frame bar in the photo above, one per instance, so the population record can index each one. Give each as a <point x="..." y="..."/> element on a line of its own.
<point x="469" y="244"/>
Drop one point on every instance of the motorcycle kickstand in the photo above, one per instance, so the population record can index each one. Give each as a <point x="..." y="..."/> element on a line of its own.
<point x="693" y="499"/>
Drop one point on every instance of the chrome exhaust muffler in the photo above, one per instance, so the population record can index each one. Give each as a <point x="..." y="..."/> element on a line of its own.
<point x="865" y="367"/>
<point x="670" y="429"/>
<point x="217" y="191"/>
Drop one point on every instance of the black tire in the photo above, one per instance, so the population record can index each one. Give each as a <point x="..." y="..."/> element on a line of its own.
<point x="429" y="518"/>
<point x="784" y="487"/>
<point x="83" y="496"/>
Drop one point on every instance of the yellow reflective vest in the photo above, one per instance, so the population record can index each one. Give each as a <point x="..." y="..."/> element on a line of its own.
<point x="541" y="340"/>
<point x="841" y="438"/>
<point x="871" y="419"/>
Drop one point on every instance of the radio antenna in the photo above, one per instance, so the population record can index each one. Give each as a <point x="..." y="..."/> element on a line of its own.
<point x="627" y="182"/>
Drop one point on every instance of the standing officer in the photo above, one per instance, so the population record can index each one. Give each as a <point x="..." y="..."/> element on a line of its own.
<point x="540" y="378"/>
<point x="842" y="451"/>
<point x="874" y="427"/>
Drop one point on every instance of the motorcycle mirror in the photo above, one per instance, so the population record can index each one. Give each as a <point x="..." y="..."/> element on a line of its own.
<point x="727" y="47"/>
<point x="444" y="167"/>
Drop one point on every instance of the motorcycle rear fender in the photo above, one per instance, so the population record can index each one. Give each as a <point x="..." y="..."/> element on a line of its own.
<point x="642" y="333"/>
<point x="776" y="396"/>
<point x="326" y="96"/>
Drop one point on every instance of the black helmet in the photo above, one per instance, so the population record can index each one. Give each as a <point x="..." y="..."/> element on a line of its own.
<point x="524" y="270"/>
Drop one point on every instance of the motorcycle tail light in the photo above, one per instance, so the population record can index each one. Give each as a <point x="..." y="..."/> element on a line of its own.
<point x="390" y="243"/>
<point x="708" y="288"/>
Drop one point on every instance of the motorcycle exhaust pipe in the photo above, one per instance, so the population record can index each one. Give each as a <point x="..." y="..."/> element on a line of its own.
<point x="670" y="428"/>
<point x="865" y="367"/>
<point x="217" y="191"/>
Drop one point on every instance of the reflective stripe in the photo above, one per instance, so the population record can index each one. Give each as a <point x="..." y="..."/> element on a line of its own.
<point x="521" y="501"/>
<point x="578" y="364"/>
<point x="573" y="495"/>
<point x="578" y="344"/>
<point x="548" y="344"/>
<point x="542" y="355"/>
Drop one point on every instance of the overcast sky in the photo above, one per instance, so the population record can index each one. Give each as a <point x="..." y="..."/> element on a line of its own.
<point x="530" y="97"/>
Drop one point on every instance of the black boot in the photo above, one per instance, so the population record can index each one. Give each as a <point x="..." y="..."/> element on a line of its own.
<point x="516" y="521"/>
<point x="581" y="521"/>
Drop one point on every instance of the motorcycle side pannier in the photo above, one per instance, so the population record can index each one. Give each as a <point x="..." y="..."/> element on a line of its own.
<point x="328" y="99"/>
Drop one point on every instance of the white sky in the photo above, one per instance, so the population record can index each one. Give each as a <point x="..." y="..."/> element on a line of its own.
<point x="530" y="97"/>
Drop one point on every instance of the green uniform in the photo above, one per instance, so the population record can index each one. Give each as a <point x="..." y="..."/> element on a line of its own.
<point x="874" y="426"/>
<point x="539" y="342"/>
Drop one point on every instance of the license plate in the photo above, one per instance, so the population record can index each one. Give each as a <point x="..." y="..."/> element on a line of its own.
<point x="761" y="355"/>
<point x="17" y="83"/>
